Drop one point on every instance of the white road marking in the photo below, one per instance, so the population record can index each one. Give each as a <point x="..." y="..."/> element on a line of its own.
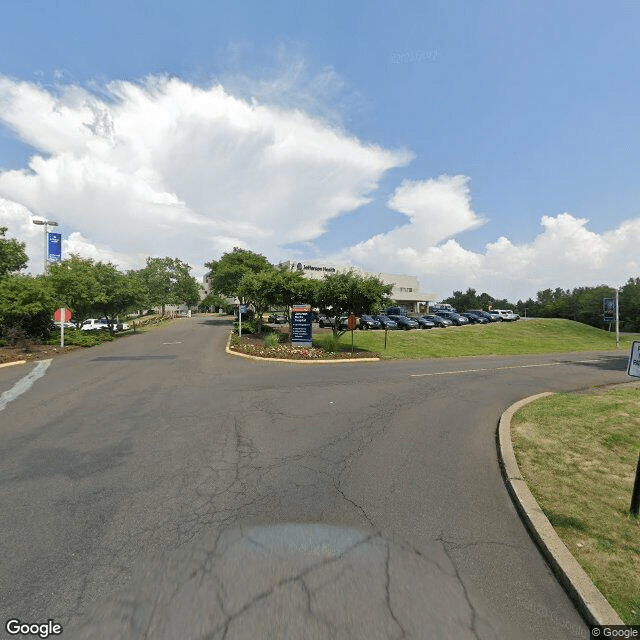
<point x="24" y="384"/>
<point x="178" y="342"/>
<point x="519" y="366"/>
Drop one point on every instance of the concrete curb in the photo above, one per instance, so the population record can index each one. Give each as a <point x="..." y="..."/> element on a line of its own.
<point x="246" y="355"/>
<point x="592" y="605"/>
<point x="10" y="364"/>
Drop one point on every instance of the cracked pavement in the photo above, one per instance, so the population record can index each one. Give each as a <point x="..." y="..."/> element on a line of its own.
<point x="203" y="496"/>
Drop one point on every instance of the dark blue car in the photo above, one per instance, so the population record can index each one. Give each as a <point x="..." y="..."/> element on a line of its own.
<point x="386" y="322"/>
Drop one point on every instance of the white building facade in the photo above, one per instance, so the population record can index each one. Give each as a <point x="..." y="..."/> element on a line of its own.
<point x="406" y="289"/>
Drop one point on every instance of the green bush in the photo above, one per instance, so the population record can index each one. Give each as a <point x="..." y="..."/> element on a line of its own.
<point x="272" y="340"/>
<point x="76" y="337"/>
<point x="247" y="327"/>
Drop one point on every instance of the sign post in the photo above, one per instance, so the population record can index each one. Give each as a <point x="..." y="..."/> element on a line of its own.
<point x="352" y="321"/>
<point x="62" y="315"/>
<point x="241" y="309"/>
<point x="633" y="369"/>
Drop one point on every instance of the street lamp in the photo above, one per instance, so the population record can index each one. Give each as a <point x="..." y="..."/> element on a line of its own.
<point x="47" y="224"/>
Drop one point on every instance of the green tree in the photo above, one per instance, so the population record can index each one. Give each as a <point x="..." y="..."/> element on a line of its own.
<point x="116" y="293"/>
<point x="168" y="281"/>
<point x="228" y="272"/>
<point x="26" y="307"/>
<point x="75" y="285"/>
<point x="347" y="293"/>
<point x="12" y="255"/>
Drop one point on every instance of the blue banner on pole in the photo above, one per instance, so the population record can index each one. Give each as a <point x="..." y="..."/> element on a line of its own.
<point x="55" y="247"/>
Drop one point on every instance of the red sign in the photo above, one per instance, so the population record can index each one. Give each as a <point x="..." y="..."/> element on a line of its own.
<point x="57" y="316"/>
<point x="352" y="321"/>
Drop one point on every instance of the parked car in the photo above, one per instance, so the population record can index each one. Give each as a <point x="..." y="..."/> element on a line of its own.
<point x="95" y="324"/>
<point x="425" y="323"/>
<point x="277" y="318"/>
<point x="395" y="311"/>
<point x="455" y="318"/>
<point x="404" y="322"/>
<point x="386" y="322"/>
<point x="507" y="315"/>
<point x="439" y="306"/>
<point x="484" y="314"/>
<point x="439" y="321"/>
<point x="67" y="325"/>
<point x="325" y="321"/>
<point x="474" y="318"/>
<point x="368" y="322"/>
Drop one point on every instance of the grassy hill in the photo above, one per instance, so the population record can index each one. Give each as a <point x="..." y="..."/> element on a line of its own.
<point x="544" y="335"/>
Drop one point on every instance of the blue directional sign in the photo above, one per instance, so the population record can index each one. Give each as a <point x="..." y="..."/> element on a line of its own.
<point x="54" y="247"/>
<point x="301" y="319"/>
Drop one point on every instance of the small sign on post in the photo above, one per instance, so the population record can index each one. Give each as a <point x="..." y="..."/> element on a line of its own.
<point x="352" y="321"/>
<point x="633" y="368"/>
<point x="62" y="315"/>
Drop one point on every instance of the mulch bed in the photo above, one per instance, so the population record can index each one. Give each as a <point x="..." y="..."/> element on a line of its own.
<point x="33" y="352"/>
<point x="255" y="346"/>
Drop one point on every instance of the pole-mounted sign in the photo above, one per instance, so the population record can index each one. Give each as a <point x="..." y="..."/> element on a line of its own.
<point x="54" y="249"/>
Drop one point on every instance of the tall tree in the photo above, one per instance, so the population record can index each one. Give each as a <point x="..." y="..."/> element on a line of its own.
<point x="346" y="293"/>
<point x="117" y="293"/>
<point x="75" y="285"/>
<point x="227" y="273"/>
<point x="12" y="254"/>
<point x="168" y="281"/>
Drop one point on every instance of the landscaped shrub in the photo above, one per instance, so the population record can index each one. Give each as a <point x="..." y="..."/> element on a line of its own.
<point x="76" y="337"/>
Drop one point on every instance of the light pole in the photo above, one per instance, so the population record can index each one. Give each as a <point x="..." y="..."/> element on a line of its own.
<point x="47" y="224"/>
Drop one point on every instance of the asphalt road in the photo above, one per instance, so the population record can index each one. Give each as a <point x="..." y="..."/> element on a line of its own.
<point x="156" y="487"/>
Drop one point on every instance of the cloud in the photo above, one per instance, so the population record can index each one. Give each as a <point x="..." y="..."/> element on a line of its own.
<point x="163" y="167"/>
<point x="565" y="254"/>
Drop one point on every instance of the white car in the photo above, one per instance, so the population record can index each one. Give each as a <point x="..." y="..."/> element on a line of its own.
<point x="506" y="315"/>
<point x="93" y="324"/>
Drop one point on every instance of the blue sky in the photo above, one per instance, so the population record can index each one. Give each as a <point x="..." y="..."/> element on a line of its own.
<point x="488" y="145"/>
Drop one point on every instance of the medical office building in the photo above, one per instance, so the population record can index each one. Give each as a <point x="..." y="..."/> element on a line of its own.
<point x="406" y="289"/>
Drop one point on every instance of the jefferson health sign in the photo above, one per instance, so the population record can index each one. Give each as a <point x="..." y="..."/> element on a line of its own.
<point x="54" y="249"/>
<point x="301" y="319"/>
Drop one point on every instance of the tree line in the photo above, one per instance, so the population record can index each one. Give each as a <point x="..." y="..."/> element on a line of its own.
<point x="254" y="280"/>
<point x="582" y="304"/>
<point x="87" y="287"/>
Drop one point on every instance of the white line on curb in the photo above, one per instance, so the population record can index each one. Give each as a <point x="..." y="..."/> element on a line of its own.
<point x="24" y="384"/>
<point x="520" y="366"/>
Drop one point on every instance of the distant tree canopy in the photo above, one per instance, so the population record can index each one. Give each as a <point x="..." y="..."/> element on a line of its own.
<point x="582" y="304"/>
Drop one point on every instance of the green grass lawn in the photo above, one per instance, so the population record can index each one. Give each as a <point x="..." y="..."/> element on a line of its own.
<point x="544" y="335"/>
<point x="578" y="455"/>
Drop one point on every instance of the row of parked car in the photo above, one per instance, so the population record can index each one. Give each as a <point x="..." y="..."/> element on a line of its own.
<point x="396" y="318"/>
<point x="95" y="324"/>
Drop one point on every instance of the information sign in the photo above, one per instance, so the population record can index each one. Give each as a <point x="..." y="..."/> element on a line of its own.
<point x="301" y="324"/>
<point x="633" y="368"/>
<point x="55" y="247"/>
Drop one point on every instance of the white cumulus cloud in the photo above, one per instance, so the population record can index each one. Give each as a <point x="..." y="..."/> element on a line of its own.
<point x="565" y="254"/>
<point x="164" y="167"/>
